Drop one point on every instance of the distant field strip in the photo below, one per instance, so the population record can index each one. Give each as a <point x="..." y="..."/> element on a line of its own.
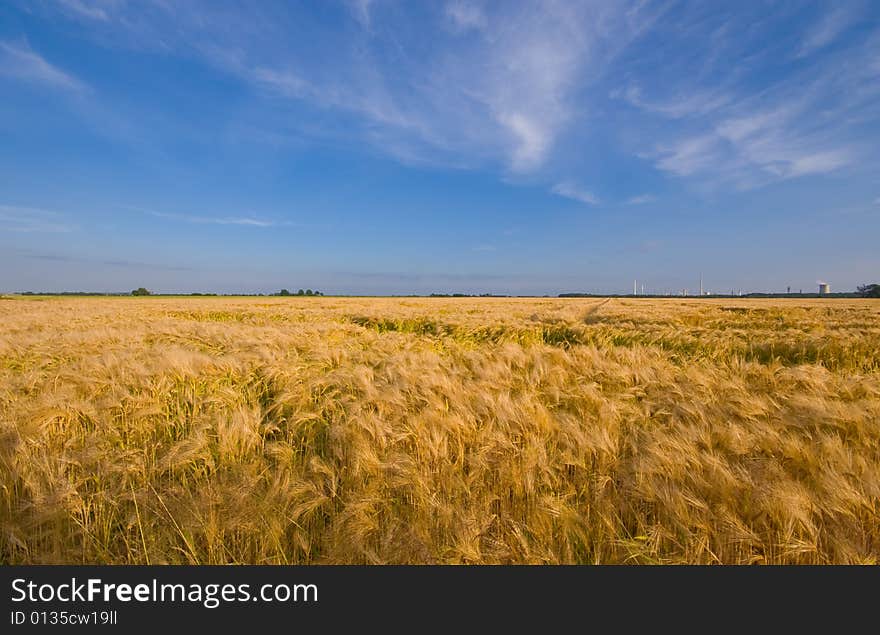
<point x="439" y="430"/>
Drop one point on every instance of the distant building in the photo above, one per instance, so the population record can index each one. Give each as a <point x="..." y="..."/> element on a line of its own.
<point x="824" y="288"/>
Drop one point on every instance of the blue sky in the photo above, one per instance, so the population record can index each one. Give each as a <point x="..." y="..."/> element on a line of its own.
<point x="398" y="147"/>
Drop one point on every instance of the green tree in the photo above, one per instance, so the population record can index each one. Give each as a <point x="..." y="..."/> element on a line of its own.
<point x="140" y="291"/>
<point x="869" y="290"/>
<point x="309" y="292"/>
<point x="284" y="292"/>
<point x="300" y="292"/>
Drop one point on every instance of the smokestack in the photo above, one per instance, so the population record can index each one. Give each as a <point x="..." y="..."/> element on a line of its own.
<point x="635" y="289"/>
<point x="701" y="284"/>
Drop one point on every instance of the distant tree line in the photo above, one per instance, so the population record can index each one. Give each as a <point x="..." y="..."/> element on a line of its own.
<point x="467" y="295"/>
<point x="869" y="290"/>
<point x="757" y="294"/>
<point x="863" y="291"/>
<point x="67" y="293"/>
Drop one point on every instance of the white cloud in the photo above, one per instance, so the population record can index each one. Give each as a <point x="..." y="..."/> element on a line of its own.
<point x="374" y="104"/>
<point x="85" y="9"/>
<point x="691" y="104"/>
<point x="750" y="155"/>
<point x="217" y="220"/>
<point x="574" y="192"/>
<point x="739" y="129"/>
<point x="826" y="30"/>
<point x="531" y="140"/>
<point x="283" y="82"/>
<point x="818" y="162"/>
<point x="729" y="123"/>
<point x="361" y="11"/>
<point x="641" y="199"/>
<point x="526" y="76"/>
<point x="508" y="93"/>
<point x="466" y="15"/>
<point x="19" y="61"/>
<point x="31" y="220"/>
<point x="503" y="96"/>
<point x="774" y="143"/>
<point x="803" y="125"/>
<point x="690" y="156"/>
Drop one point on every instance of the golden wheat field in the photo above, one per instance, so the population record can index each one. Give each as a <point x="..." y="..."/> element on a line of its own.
<point x="464" y="430"/>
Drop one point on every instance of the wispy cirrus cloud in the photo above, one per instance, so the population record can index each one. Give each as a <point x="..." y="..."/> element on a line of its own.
<point x="247" y="221"/>
<point x="752" y="143"/>
<point x="641" y="199"/>
<point x="361" y="11"/>
<point x="729" y="130"/>
<point x="689" y="104"/>
<point x="751" y="160"/>
<point x="574" y="192"/>
<point x="466" y="15"/>
<point x="689" y="156"/>
<point x="14" y="218"/>
<point x="375" y="106"/>
<point x="828" y="28"/>
<point x="499" y="87"/>
<point x="506" y="94"/>
<point x="88" y="10"/>
<point x="19" y="61"/>
<point x="504" y="84"/>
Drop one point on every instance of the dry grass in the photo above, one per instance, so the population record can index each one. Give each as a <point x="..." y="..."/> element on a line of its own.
<point x="313" y="430"/>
